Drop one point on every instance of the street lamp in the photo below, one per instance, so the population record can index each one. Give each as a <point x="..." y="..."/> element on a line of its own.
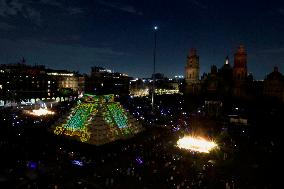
<point x="154" y="68"/>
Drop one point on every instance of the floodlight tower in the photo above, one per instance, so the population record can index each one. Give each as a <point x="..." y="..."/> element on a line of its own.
<point x="154" y="65"/>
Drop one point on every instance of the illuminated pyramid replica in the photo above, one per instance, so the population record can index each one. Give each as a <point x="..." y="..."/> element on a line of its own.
<point x="98" y="120"/>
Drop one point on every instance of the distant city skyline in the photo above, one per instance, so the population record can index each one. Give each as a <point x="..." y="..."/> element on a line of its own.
<point x="118" y="35"/>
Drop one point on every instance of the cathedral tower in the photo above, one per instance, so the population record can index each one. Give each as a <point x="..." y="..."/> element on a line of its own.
<point x="240" y="73"/>
<point x="192" y="67"/>
<point x="240" y="64"/>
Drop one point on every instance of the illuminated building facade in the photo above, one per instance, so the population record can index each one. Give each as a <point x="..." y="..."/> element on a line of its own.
<point x="139" y="87"/>
<point x="64" y="79"/>
<point x="20" y="81"/>
<point x="25" y="83"/>
<point x="163" y="85"/>
<point x="98" y="120"/>
<point x="67" y="83"/>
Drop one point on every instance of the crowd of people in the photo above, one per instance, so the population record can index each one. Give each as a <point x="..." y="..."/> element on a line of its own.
<point x="32" y="157"/>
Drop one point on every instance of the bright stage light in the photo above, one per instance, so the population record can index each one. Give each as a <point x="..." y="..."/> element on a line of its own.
<point x="196" y="144"/>
<point x="40" y="112"/>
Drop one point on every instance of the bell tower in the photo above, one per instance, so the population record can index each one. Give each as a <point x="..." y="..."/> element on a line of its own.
<point x="240" y="73"/>
<point x="192" y="67"/>
<point x="240" y="64"/>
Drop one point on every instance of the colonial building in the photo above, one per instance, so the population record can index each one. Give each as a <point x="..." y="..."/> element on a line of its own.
<point x="67" y="83"/>
<point x="25" y="83"/>
<point x="20" y="81"/>
<point x="220" y="83"/>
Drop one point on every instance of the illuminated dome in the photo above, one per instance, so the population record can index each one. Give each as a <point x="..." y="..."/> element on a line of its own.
<point x="98" y="120"/>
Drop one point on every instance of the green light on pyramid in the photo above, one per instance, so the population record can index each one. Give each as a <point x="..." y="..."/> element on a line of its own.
<point x="118" y="115"/>
<point x="97" y="120"/>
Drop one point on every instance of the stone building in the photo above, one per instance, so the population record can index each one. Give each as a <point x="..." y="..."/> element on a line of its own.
<point x="219" y="83"/>
<point x="231" y="82"/>
<point x="274" y="85"/>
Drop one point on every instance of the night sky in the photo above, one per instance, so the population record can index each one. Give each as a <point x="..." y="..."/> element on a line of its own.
<point x="78" y="34"/>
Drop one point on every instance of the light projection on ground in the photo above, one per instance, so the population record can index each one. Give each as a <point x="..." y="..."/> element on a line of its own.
<point x="196" y="144"/>
<point x="40" y="112"/>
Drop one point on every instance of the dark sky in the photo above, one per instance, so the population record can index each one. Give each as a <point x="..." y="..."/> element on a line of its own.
<point x="78" y="34"/>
